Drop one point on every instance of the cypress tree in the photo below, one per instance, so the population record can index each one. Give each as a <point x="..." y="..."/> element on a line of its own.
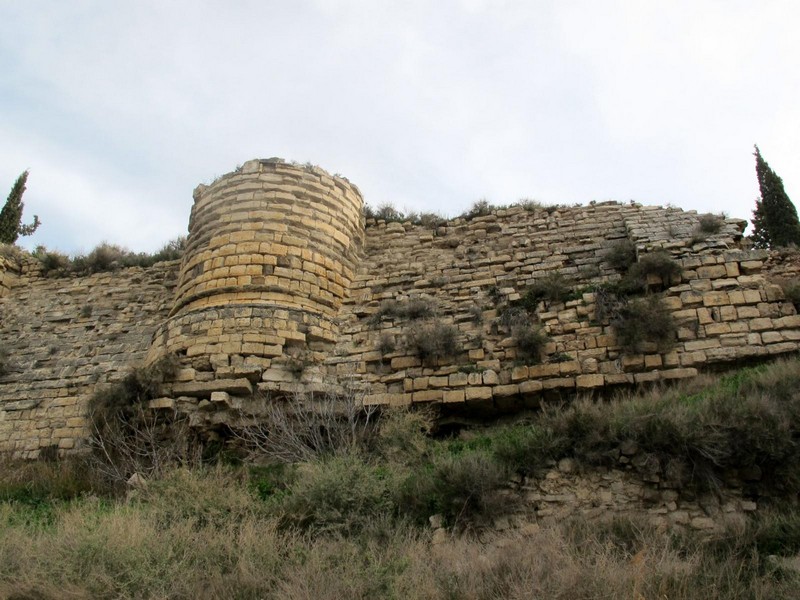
<point x="11" y="226"/>
<point x="775" y="221"/>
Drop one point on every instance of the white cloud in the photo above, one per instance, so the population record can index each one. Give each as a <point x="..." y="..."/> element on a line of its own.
<point x="121" y="109"/>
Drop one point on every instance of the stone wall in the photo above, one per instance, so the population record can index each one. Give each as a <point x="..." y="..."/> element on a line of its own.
<point x="725" y="309"/>
<point x="283" y="289"/>
<point x="63" y="337"/>
<point x="602" y="493"/>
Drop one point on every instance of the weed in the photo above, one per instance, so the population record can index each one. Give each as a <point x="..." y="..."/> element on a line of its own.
<point x="433" y="340"/>
<point x="5" y="362"/>
<point x="411" y="309"/>
<point x="644" y="320"/>
<point x="622" y="255"/>
<point x="480" y="208"/>
<point x="476" y="314"/>
<point x="386" y="344"/>
<point x="337" y="494"/>
<point x="710" y="223"/>
<point x="658" y="264"/>
<point x="530" y="204"/>
<point x="530" y="342"/>
<point x="553" y="287"/>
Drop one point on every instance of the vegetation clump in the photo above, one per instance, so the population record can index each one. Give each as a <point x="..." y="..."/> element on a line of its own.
<point x="710" y="223"/>
<point x="644" y="321"/>
<point x="553" y="287"/>
<point x="105" y="257"/>
<point x="418" y="307"/>
<point x="480" y="208"/>
<point x="433" y="340"/>
<point x="529" y="341"/>
<point x="622" y="255"/>
<point x="659" y="264"/>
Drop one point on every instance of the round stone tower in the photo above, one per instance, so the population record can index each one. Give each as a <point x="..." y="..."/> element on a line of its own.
<point x="271" y="253"/>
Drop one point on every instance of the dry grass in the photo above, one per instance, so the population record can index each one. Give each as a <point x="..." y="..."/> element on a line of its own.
<point x="152" y="547"/>
<point x="353" y="524"/>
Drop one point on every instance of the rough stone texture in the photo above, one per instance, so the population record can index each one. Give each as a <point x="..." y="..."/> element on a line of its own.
<point x="271" y="254"/>
<point x="281" y="291"/>
<point x="66" y="336"/>
<point x="602" y="493"/>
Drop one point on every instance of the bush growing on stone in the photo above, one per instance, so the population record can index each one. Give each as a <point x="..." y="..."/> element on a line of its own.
<point x="386" y="343"/>
<point x="710" y="223"/>
<point x="791" y="289"/>
<point x="530" y="204"/>
<point x="412" y="309"/>
<point x="553" y="287"/>
<point x="529" y="341"/>
<point x="433" y="340"/>
<point x="622" y="255"/>
<point x="657" y="263"/>
<point x="644" y="320"/>
<point x="5" y="366"/>
<point x="309" y="426"/>
<point x="480" y="208"/>
<point x="52" y="262"/>
<point x="106" y="257"/>
<point x="389" y="213"/>
<point x="430" y="220"/>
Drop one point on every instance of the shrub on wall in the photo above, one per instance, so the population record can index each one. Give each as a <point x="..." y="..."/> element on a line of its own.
<point x="710" y="223"/>
<point x="553" y="287"/>
<point x="657" y="263"/>
<point x="106" y="257"/>
<point x="5" y="366"/>
<point x="412" y="309"/>
<point x="644" y="320"/>
<point x="433" y="340"/>
<point x="530" y="341"/>
<point x="480" y="208"/>
<point x="622" y="255"/>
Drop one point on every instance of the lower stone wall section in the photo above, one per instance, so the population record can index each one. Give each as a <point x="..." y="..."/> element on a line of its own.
<point x="600" y="493"/>
<point x="63" y="337"/>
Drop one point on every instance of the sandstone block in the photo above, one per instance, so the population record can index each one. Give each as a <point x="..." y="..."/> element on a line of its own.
<point x="530" y="387"/>
<point x="479" y="393"/>
<point x="589" y="381"/>
<point x="205" y="388"/>
<point x="450" y="396"/>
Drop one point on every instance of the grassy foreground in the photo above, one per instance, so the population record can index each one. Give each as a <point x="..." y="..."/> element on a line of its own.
<point x="353" y="524"/>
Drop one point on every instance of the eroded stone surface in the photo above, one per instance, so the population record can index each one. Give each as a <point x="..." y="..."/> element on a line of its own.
<point x="283" y="290"/>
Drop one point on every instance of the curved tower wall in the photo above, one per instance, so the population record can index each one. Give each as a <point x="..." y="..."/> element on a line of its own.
<point x="270" y="257"/>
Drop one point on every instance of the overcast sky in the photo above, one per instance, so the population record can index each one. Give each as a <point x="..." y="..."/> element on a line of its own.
<point x="119" y="109"/>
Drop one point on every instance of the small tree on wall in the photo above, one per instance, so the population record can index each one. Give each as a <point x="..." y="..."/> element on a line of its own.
<point x="11" y="226"/>
<point x="775" y="221"/>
